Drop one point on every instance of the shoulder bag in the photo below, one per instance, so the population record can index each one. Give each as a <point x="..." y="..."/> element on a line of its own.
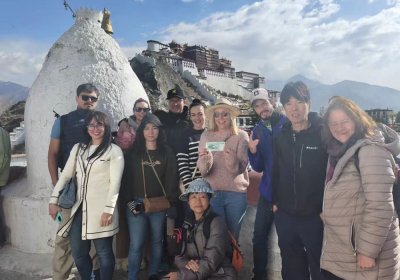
<point x="67" y="197"/>
<point x="154" y="204"/>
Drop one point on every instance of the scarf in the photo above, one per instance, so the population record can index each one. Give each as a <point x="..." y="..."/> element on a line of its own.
<point x="336" y="150"/>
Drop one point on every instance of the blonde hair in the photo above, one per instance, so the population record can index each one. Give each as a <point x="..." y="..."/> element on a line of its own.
<point x="365" y="126"/>
<point x="211" y="126"/>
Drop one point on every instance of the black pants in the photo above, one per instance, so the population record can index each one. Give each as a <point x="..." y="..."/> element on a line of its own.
<point x="300" y="242"/>
<point x="262" y="228"/>
<point x="330" y="276"/>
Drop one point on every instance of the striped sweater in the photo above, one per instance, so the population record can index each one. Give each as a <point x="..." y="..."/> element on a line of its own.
<point x="188" y="154"/>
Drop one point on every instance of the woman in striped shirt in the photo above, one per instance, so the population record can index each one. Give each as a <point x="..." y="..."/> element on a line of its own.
<point x="187" y="153"/>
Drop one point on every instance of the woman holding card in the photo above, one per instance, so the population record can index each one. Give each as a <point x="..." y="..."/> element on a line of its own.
<point x="223" y="163"/>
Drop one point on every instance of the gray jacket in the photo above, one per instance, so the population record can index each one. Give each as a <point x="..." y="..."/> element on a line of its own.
<point x="359" y="215"/>
<point x="211" y="254"/>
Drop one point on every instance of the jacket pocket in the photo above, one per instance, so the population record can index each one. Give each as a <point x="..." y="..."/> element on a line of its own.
<point x="353" y="238"/>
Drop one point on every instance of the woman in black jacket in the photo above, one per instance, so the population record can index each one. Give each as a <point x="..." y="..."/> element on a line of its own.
<point x="150" y="172"/>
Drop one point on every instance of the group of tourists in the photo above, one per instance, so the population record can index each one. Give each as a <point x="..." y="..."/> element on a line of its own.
<point x="326" y="185"/>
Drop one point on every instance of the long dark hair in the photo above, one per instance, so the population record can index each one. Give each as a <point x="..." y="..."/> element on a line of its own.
<point x="139" y="146"/>
<point x="102" y="118"/>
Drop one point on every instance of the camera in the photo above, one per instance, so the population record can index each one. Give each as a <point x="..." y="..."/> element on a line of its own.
<point x="136" y="207"/>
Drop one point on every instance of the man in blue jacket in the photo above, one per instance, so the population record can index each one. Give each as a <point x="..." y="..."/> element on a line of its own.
<point x="260" y="156"/>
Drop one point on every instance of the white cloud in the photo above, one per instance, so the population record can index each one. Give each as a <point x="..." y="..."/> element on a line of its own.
<point x="131" y="51"/>
<point x="21" y="60"/>
<point x="281" y="38"/>
<point x="189" y="1"/>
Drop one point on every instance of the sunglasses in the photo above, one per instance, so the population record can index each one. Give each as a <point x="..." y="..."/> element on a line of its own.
<point x="87" y="97"/>
<point x="139" y="109"/>
<point x="221" y="114"/>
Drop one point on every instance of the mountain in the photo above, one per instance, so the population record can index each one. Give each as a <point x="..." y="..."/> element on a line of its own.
<point x="365" y="95"/>
<point x="10" y="94"/>
<point x="13" y="116"/>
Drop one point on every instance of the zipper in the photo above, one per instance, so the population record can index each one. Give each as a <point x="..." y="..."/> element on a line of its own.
<point x="294" y="171"/>
<point x="301" y="155"/>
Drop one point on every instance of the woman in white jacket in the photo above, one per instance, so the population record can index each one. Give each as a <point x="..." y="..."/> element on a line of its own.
<point x="98" y="165"/>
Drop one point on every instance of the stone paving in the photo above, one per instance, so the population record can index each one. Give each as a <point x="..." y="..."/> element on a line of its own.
<point x="22" y="266"/>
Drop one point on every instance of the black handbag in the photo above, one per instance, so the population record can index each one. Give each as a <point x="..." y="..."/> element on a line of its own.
<point x="176" y="242"/>
<point x="67" y="196"/>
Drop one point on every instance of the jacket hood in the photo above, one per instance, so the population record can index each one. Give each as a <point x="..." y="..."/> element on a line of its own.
<point x="390" y="138"/>
<point x="132" y="122"/>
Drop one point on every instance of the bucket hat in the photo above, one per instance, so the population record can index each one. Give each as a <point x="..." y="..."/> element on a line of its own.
<point x="196" y="186"/>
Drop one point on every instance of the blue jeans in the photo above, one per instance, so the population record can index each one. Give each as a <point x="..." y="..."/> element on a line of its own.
<point x="232" y="207"/>
<point x="80" y="251"/>
<point x="139" y="226"/>
<point x="262" y="228"/>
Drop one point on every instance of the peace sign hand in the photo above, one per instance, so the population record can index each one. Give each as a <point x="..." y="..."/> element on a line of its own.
<point x="253" y="144"/>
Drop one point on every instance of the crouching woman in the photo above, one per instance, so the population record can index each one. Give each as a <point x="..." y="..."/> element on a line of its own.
<point x="203" y="258"/>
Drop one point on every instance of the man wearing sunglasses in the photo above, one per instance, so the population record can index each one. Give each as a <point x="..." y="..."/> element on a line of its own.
<point x="66" y="132"/>
<point x="176" y="119"/>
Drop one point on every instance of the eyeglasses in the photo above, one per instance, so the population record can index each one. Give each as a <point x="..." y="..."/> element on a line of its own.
<point x="339" y="123"/>
<point x="139" y="109"/>
<point x="221" y="114"/>
<point x="99" y="126"/>
<point x="87" y="97"/>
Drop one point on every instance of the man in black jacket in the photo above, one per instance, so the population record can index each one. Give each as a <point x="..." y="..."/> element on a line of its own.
<point x="298" y="179"/>
<point x="176" y="119"/>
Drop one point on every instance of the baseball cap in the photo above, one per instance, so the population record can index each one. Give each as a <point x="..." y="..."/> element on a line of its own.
<point x="175" y="92"/>
<point x="259" y="93"/>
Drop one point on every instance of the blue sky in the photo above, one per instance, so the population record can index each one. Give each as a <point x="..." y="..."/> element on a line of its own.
<point x="327" y="40"/>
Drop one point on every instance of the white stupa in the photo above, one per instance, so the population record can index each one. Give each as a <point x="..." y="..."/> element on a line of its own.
<point x="85" y="53"/>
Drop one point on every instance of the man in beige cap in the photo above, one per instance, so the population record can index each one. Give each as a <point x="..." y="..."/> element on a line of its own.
<point x="260" y="156"/>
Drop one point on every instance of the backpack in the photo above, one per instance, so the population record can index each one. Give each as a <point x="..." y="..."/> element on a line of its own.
<point x="233" y="253"/>
<point x="396" y="184"/>
<point x="60" y="158"/>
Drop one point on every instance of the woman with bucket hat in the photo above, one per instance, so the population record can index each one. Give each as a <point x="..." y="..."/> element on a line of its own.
<point x="203" y="258"/>
<point x="223" y="163"/>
